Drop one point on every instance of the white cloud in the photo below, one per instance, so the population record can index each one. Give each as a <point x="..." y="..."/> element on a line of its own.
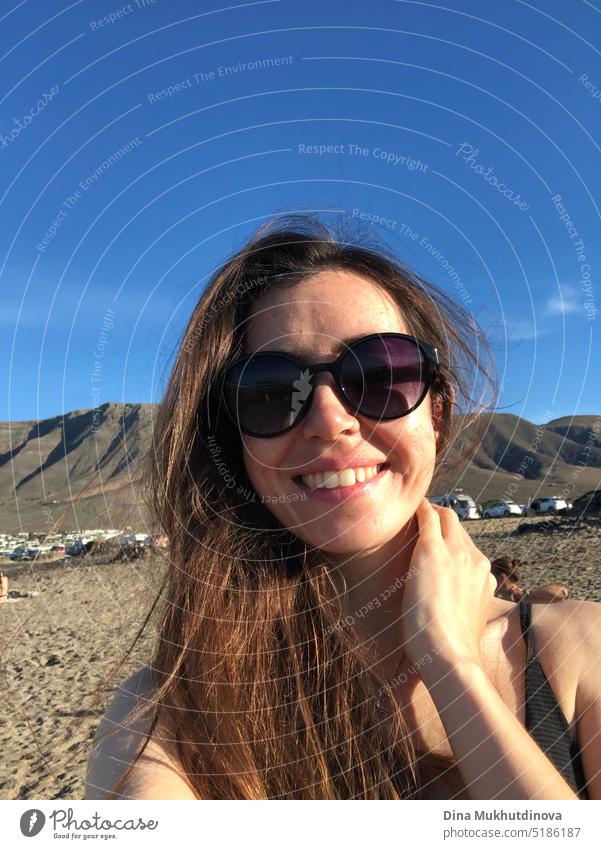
<point x="520" y="330"/>
<point x="566" y="301"/>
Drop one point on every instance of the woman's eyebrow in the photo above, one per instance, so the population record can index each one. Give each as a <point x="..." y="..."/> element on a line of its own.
<point x="305" y="353"/>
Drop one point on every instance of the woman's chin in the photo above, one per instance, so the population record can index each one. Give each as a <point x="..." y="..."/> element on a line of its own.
<point x="340" y="542"/>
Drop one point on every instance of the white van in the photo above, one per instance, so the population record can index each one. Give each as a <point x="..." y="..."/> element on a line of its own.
<point x="463" y="505"/>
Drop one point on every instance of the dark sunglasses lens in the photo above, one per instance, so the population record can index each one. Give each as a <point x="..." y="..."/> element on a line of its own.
<point x="265" y="394"/>
<point x="384" y="377"/>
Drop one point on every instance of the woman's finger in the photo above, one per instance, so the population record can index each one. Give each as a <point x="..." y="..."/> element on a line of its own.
<point x="428" y="520"/>
<point x="449" y="520"/>
<point x="454" y="525"/>
<point x="469" y="540"/>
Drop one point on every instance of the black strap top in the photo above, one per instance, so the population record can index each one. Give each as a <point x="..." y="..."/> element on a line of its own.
<point x="545" y="720"/>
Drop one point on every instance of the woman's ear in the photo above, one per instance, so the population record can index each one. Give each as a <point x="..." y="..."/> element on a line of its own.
<point x="438" y="407"/>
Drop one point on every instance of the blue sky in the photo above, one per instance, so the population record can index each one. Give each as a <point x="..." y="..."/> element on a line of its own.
<point x="141" y="143"/>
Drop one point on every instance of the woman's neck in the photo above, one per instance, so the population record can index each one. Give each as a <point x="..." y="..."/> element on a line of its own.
<point x="374" y="581"/>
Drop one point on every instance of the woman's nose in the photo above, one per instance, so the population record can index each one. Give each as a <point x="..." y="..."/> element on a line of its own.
<point x="328" y="415"/>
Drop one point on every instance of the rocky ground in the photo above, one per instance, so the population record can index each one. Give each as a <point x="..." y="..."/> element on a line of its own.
<point x="58" y="647"/>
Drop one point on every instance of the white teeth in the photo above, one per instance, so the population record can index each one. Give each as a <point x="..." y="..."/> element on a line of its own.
<point x="345" y="477"/>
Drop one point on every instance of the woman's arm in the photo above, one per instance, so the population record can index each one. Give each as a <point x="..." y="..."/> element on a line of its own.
<point x="587" y="627"/>
<point x="482" y="730"/>
<point x="444" y="611"/>
<point x="157" y="774"/>
<point x="546" y="594"/>
<point x="497" y="757"/>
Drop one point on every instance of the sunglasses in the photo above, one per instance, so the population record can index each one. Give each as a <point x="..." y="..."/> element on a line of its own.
<point x="381" y="376"/>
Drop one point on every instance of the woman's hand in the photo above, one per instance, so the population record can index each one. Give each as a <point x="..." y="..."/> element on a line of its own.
<point x="448" y="590"/>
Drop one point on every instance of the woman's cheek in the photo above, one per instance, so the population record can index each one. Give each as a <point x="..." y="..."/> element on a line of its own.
<point x="256" y="461"/>
<point x="414" y="459"/>
<point x="258" y="477"/>
<point x="262" y="471"/>
<point x="414" y="446"/>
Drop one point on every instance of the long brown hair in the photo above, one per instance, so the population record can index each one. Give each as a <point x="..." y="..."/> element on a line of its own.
<point x="267" y="692"/>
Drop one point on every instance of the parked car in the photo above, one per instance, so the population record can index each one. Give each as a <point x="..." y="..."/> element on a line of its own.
<point x="495" y="509"/>
<point x="138" y="539"/>
<point x="551" y="505"/>
<point x="79" y="546"/>
<point x="463" y="505"/>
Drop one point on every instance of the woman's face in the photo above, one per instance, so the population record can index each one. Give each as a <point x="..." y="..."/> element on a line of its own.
<point x="313" y="318"/>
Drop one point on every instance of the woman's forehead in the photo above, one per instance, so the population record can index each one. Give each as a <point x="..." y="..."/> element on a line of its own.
<point x="322" y="313"/>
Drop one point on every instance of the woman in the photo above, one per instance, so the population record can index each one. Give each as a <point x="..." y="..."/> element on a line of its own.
<point x="507" y="573"/>
<point x="325" y="632"/>
<point x="3" y="587"/>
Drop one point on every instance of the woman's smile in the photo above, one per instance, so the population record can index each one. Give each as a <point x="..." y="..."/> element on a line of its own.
<point x="350" y="483"/>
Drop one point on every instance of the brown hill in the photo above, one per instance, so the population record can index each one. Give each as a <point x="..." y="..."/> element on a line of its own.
<point x="45" y="465"/>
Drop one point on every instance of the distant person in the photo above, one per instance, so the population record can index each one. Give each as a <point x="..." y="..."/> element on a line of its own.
<point x="507" y="573"/>
<point x="13" y="595"/>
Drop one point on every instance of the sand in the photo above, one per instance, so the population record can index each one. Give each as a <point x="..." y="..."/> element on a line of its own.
<point x="58" y="647"/>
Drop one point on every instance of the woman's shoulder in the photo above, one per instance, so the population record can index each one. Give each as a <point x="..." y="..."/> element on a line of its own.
<point x="572" y="625"/>
<point x="567" y="643"/>
<point x="563" y="632"/>
<point x="575" y="626"/>
<point x="119" y="739"/>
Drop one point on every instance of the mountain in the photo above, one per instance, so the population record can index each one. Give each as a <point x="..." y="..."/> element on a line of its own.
<point x="517" y="459"/>
<point x="45" y="465"/>
<point x="76" y="471"/>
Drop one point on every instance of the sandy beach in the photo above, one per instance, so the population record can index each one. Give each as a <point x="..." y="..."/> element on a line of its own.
<point x="58" y="647"/>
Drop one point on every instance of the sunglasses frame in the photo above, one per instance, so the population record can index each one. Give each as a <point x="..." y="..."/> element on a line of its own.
<point x="334" y="367"/>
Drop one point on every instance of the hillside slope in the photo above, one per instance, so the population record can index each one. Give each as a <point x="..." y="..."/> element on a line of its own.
<point x="95" y="454"/>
